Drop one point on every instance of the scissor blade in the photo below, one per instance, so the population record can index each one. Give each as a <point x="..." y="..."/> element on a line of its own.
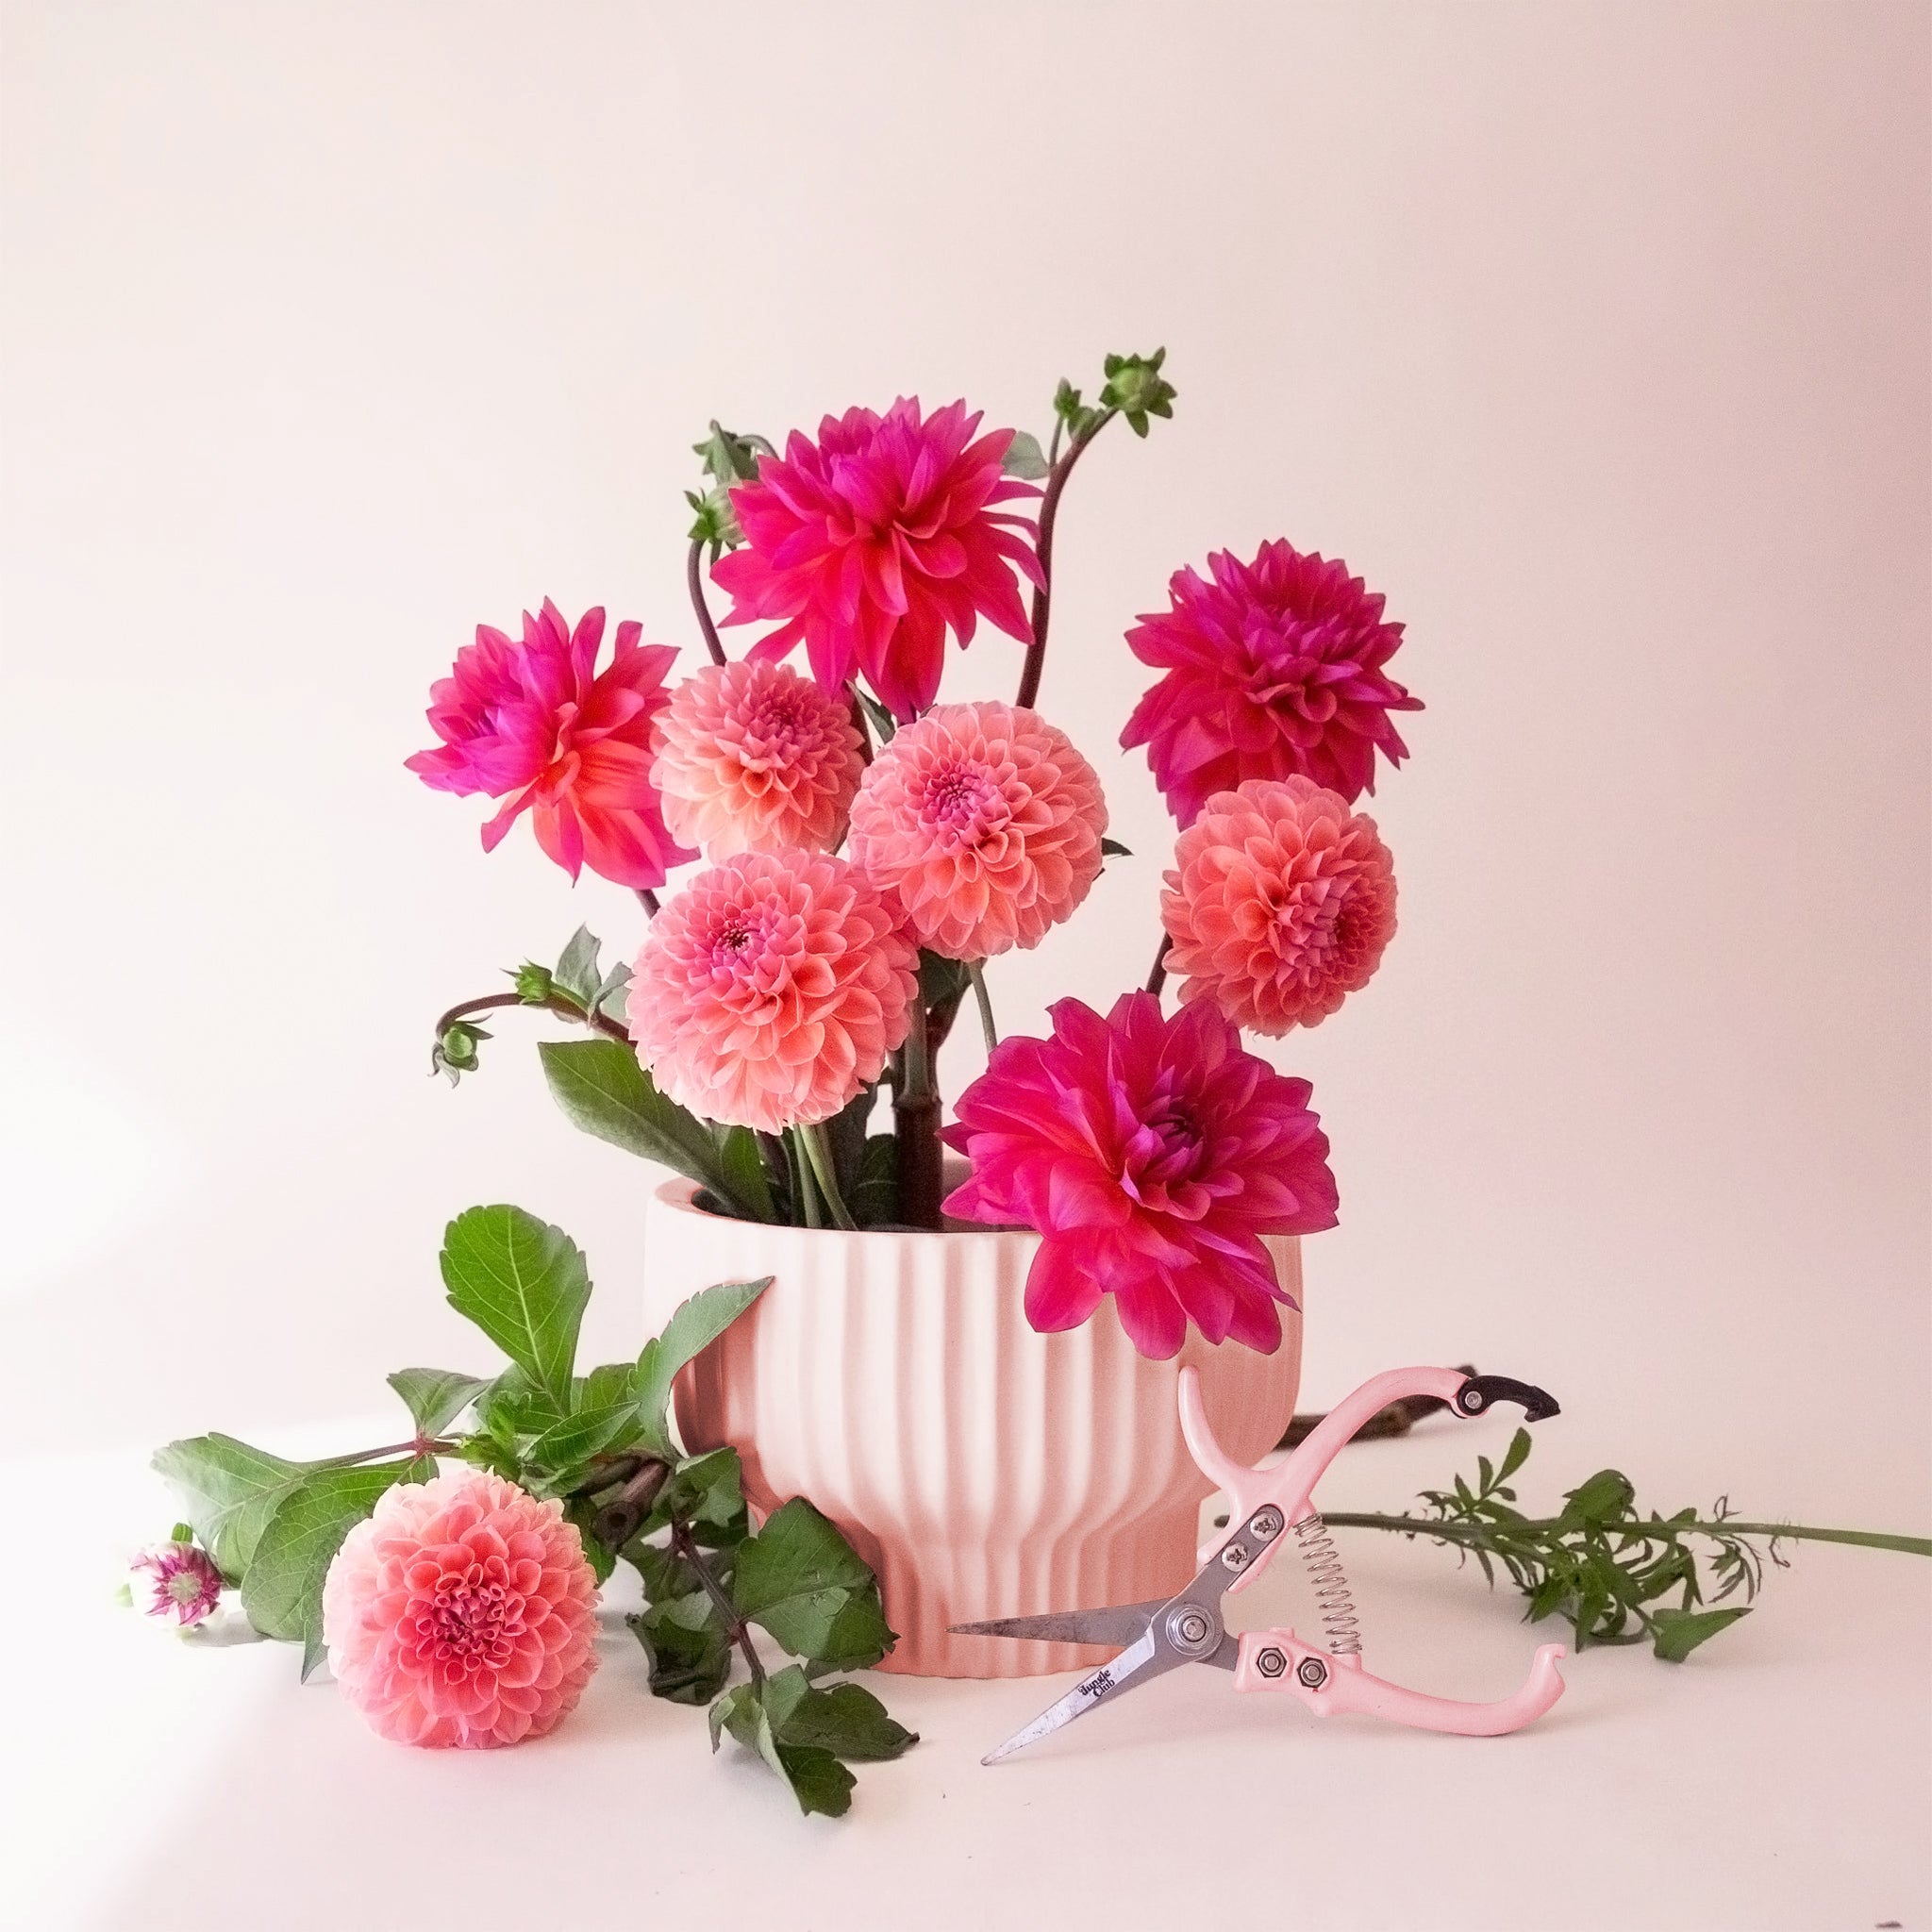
<point x="1135" y="1665"/>
<point x="1117" y="1626"/>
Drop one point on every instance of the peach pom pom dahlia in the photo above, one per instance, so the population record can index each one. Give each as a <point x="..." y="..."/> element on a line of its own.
<point x="1279" y="906"/>
<point x="984" y="825"/>
<point x="461" y="1612"/>
<point x="753" y="757"/>
<point x="772" y="989"/>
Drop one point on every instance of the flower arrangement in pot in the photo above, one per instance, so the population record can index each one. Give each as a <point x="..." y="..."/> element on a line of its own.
<point x="971" y="1374"/>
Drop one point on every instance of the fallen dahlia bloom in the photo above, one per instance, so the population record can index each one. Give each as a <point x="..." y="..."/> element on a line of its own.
<point x="983" y="824"/>
<point x="461" y="1612"/>
<point x="874" y="541"/>
<point x="753" y="757"/>
<point x="1151" y="1154"/>
<point x="176" y="1581"/>
<point x="1274" y="669"/>
<point x="534" y="723"/>
<point x="770" y="989"/>
<point x="1279" y="904"/>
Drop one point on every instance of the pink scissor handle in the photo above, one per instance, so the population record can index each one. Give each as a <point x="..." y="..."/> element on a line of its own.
<point x="1279" y="1661"/>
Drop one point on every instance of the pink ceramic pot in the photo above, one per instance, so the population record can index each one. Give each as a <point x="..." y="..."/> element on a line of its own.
<point x="982" y="1469"/>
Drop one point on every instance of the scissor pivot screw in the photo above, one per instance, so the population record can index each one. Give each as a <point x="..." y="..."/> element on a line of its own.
<point x="1191" y="1631"/>
<point x="1313" y="1672"/>
<point x="1472" y="1400"/>
<point x="1266" y="1523"/>
<point x="1235" y="1556"/>
<point x="1271" y="1663"/>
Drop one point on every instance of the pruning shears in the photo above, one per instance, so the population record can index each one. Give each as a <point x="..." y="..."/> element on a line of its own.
<point x="1268" y="1506"/>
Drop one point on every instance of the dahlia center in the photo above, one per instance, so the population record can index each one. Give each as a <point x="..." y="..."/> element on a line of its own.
<point x="472" y="1620"/>
<point x="184" y="1586"/>
<point x="1308" y="919"/>
<point x="962" y="798"/>
<point x="774" y="725"/>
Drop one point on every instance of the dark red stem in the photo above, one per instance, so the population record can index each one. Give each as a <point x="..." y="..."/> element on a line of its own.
<point x="1042" y="545"/>
<point x="694" y="578"/>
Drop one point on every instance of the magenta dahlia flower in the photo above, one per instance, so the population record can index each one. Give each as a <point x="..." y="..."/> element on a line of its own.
<point x="536" y="723"/>
<point x="983" y="824"/>
<point x="1274" y="669"/>
<point x="1151" y="1154"/>
<point x="462" y="1611"/>
<point x="874" y="541"/>
<point x="770" y="989"/>
<point x="1279" y="904"/>
<point x="753" y="757"/>
<point x="175" y="1581"/>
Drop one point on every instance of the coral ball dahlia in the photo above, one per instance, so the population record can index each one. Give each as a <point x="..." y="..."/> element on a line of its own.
<point x="461" y="1612"/>
<point x="753" y="757"/>
<point x="536" y="723"/>
<point x="1274" y="669"/>
<point x="770" y="989"/>
<point x="983" y="824"/>
<point x="1279" y="904"/>
<point x="874" y="541"/>
<point x="1151" y="1154"/>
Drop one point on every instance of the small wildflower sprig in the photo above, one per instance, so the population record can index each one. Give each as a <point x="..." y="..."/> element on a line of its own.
<point x="587" y="1463"/>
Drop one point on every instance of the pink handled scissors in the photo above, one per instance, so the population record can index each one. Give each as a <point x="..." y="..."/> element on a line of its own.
<point x="1265" y="1507"/>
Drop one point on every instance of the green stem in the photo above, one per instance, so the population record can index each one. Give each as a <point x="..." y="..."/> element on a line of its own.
<point x="979" y="993"/>
<point x="695" y="582"/>
<point x="1647" y="1532"/>
<point x="801" y="1170"/>
<point x="555" y="1004"/>
<point x="682" y="1542"/>
<point x="817" y="1150"/>
<point x="1042" y="548"/>
<point x="916" y="1128"/>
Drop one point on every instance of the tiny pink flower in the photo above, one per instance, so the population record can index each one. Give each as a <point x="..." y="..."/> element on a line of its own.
<point x="1279" y="904"/>
<point x="753" y="757"/>
<point x="1274" y="669"/>
<point x="770" y="989"/>
<point x="536" y="723"/>
<point x="1151" y="1154"/>
<point x="175" y="1581"/>
<point x="461" y="1612"/>
<point x="876" y="541"/>
<point x="983" y="824"/>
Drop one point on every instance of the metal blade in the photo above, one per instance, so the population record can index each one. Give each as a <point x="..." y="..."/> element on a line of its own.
<point x="1116" y="1627"/>
<point x="1138" y="1664"/>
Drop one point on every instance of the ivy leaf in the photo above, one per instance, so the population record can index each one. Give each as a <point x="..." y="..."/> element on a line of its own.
<point x="695" y="1324"/>
<point x="1024" y="457"/>
<point x="1678" y="1633"/>
<point x="805" y="1583"/>
<point x="577" y="972"/>
<point x="282" y="1591"/>
<point x="525" y="1284"/>
<point x="228" y="1492"/>
<point x="434" y="1397"/>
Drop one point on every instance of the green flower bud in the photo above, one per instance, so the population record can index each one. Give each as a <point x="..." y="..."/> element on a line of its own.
<point x="533" y="982"/>
<point x="1136" y="388"/>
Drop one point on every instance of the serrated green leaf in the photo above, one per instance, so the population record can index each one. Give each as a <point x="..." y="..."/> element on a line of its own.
<point x="525" y="1284"/>
<point x="1025" y="458"/>
<point x="1678" y="1633"/>
<point x="579" y="1437"/>
<point x="802" y="1581"/>
<point x="1514" y="1457"/>
<point x="576" y="972"/>
<point x="1602" y="1498"/>
<point x="695" y="1324"/>
<point x="512" y="1408"/>
<point x="434" y="1397"/>
<point x="688" y="1649"/>
<point x="229" y="1492"/>
<point x="707" y="1493"/>
<point x="845" y="1719"/>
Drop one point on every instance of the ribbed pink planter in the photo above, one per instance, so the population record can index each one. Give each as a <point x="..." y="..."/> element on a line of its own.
<point x="982" y="1469"/>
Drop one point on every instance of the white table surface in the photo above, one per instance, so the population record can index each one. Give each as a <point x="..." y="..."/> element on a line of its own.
<point x="1782" y="1778"/>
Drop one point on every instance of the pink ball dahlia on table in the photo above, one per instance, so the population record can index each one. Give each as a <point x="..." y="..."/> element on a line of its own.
<point x="1279" y="906"/>
<point x="536" y="723"/>
<point x="982" y="823"/>
<point x="876" y="541"/>
<point x="461" y="1612"/>
<point x="1274" y="669"/>
<point x="1151" y="1154"/>
<point x="772" y="989"/>
<point x="753" y="757"/>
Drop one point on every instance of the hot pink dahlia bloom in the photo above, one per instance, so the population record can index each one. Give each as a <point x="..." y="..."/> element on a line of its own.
<point x="875" y="540"/>
<point x="1151" y="1154"/>
<point x="461" y="1612"/>
<point x="983" y="824"/>
<point x="1272" y="669"/>
<point x="175" y="1581"/>
<point x="535" y="724"/>
<point x="1279" y="904"/>
<point x="770" y="989"/>
<point x="753" y="757"/>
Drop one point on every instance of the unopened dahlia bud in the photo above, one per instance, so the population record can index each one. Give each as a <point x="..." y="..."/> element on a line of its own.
<point x="176" y="1581"/>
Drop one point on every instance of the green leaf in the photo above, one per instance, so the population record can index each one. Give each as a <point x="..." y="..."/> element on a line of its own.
<point x="695" y="1324"/>
<point x="1602" y="1498"/>
<point x="229" y="1492"/>
<point x="882" y="720"/>
<point x="817" y="1779"/>
<point x="1112" y="848"/>
<point x="525" y="1284"/>
<point x="576" y="972"/>
<point x="728" y="457"/>
<point x="1678" y="1633"/>
<point x="943" y="981"/>
<point x="434" y="1397"/>
<point x="801" y="1580"/>
<point x="873" y="1196"/>
<point x="1024" y="457"/>
<point x="689" y="1650"/>
<point x="707" y="1493"/>
<point x="743" y="1168"/>
<point x="603" y="1091"/>
<point x="845" y="1719"/>
<point x="512" y="1408"/>
<point x="579" y="1437"/>
<point x="1515" y="1455"/>
<point x="282" y="1591"/>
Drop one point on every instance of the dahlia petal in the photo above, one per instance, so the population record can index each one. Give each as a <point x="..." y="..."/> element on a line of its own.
<point x="1061" y="1292"/>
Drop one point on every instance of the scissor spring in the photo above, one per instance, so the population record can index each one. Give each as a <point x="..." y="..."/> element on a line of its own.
<point x="1336" y="1605"/>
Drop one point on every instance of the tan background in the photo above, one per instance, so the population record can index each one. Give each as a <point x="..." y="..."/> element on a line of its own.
<point x="1593" y="336"/>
